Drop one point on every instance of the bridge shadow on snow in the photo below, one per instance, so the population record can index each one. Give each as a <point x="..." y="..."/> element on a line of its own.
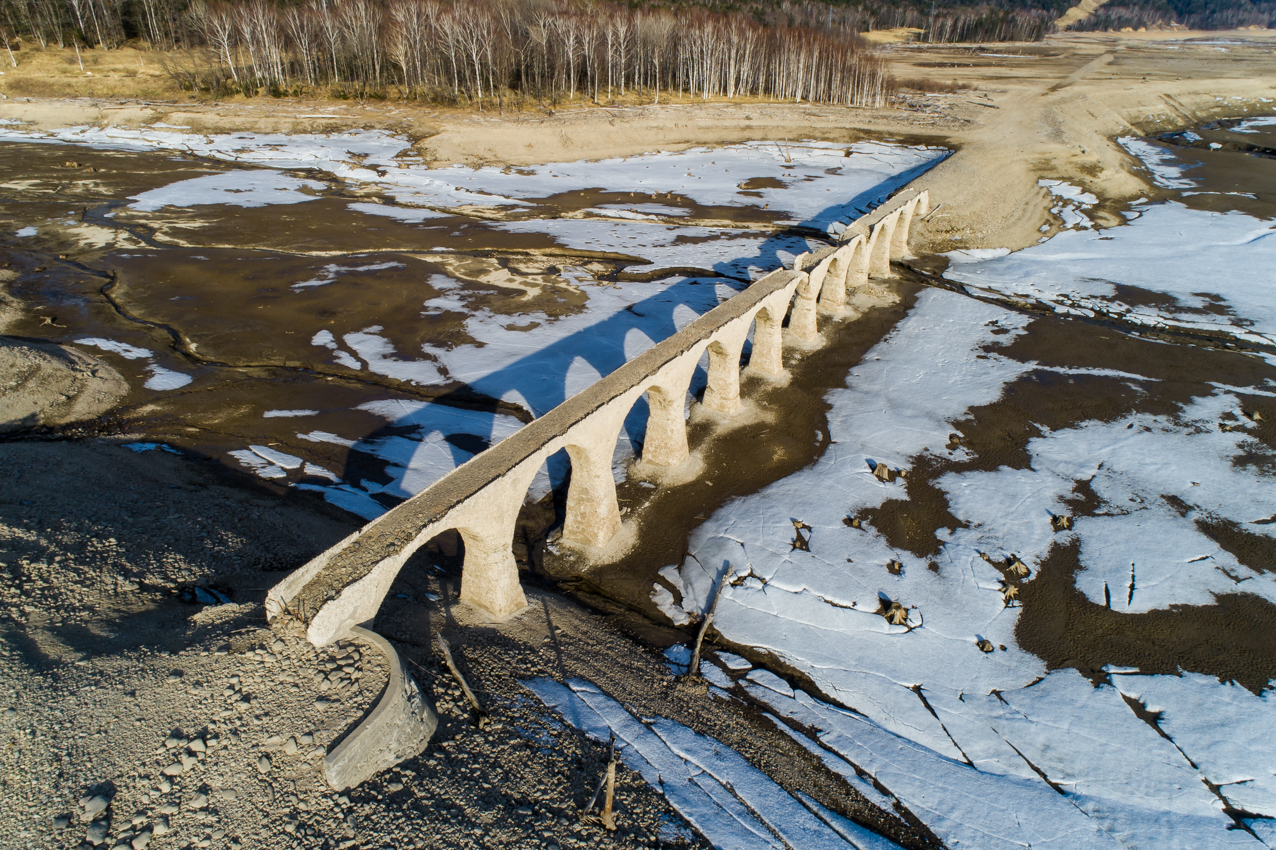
<point x="430" y="438"/>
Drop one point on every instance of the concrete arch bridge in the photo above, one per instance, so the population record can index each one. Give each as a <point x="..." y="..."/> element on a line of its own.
<point x="342" y="589"/>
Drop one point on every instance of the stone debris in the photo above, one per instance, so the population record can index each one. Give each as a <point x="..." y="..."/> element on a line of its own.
<point x="896" y="614"/>
<point x="985" y="645"/>
<point x="97" y="832"/>
<point x="93" y="805"/>
<point x="801" y="542"/>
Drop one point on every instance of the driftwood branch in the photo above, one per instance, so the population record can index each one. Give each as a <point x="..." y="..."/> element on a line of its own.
<point x="608" y="821"/>
<point x="460" y="680"/>
<point x="607" y="781"/>
<point x="693" y="668"/>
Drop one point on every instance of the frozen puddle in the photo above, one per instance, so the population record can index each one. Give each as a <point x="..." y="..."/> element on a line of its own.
<point x="159" y="377"/>
<point x="988" y="747"/>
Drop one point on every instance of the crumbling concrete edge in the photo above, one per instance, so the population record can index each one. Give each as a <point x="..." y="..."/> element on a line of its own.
<point x="399" y="727"/>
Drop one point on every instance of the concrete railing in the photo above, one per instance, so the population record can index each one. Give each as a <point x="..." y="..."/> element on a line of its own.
<point x="344" y="587"/>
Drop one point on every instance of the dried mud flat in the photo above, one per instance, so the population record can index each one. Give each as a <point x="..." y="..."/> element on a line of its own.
<point x="200" y="727"/>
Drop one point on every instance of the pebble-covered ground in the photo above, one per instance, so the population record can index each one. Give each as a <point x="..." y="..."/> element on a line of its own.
<point x="144" y="702"/>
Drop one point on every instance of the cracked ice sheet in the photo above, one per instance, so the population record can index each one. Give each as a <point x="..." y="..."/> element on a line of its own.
<point x="1143" y="552"/>
<point x="1222" y="727"/>
<point x="723" y="796"/>
<point x="1168" y="249"/>
<point x="796" y="604"/>
<point x="1217" y="267"/>
<point x="815" y="611"/>
<point x="1119" y="783"/>
<point x="1111" y="764"/>
<point x="963" y="806"/>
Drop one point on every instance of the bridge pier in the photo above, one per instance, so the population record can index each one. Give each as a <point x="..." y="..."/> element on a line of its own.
<point x="857" y="266"/>
<point x="879" y="246"/>
<point x="593" y="514"/>
<point x="833" y="288"/>
<point x="489" y="575"/>
<point x="768" y="346"/>
<point x="666" y="441"/>
<point x="899" y="241"/>
<point x="802" y="326"/>
<point x="723" y="392"/>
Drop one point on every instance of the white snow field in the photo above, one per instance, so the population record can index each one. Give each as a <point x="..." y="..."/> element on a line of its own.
<point x="991" y="749"/>
<point x="254" y="188"/>
<point x="1170" y="266"/>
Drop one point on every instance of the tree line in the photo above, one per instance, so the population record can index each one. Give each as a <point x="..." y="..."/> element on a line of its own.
<point x="474" y="51"/>
<point x="1194" y="14"/>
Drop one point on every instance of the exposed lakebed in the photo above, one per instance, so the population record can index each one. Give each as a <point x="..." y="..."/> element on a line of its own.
<point x="351" y="322"/>
<point x="345" y="319"/>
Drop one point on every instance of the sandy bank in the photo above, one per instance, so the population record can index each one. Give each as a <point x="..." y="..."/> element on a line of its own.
<point x="45" y="384"/>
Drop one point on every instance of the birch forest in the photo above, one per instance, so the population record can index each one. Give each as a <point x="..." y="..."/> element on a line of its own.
<point x="488" y="53"/>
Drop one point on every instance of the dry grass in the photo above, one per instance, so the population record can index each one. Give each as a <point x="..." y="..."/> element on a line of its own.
<point x="55" y="72"/>
<point x="926" y="85"/>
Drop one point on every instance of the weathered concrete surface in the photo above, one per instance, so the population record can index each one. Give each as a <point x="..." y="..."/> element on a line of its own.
<point x="399" y="726"/>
